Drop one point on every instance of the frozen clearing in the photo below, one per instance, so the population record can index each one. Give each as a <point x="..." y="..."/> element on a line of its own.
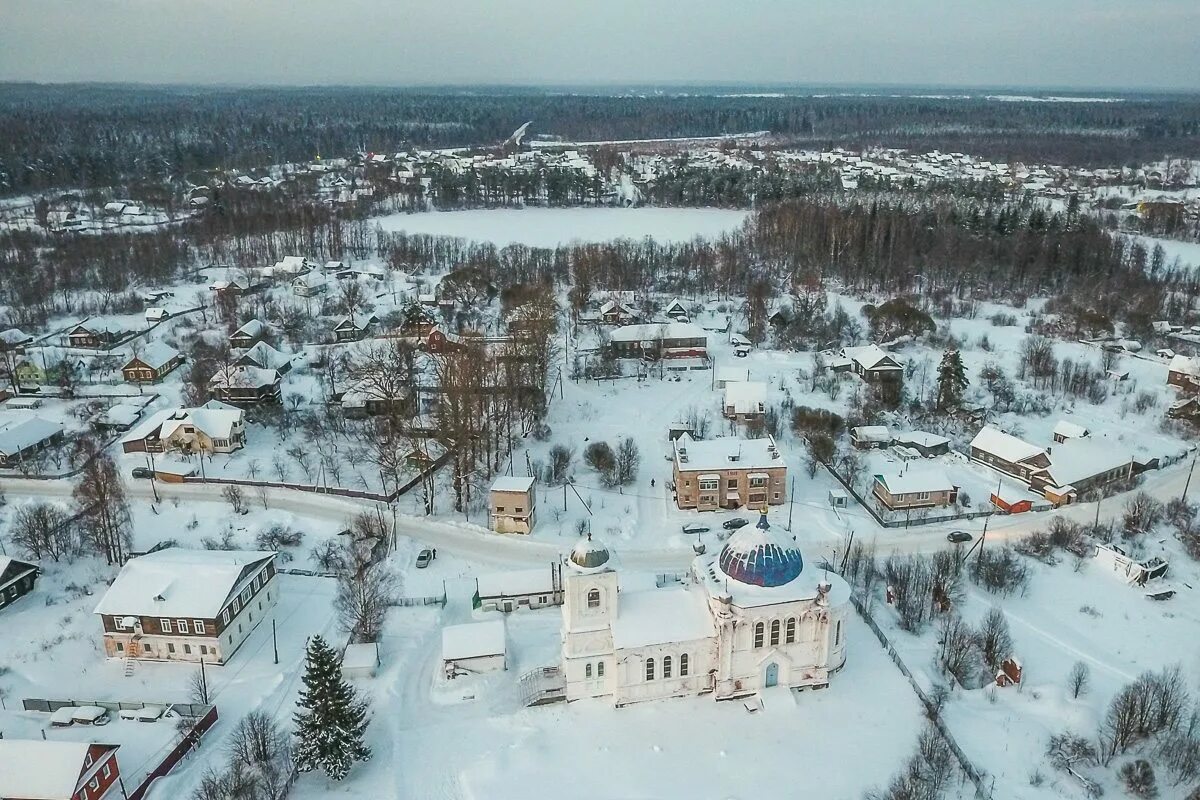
<point x="550" y="227"/>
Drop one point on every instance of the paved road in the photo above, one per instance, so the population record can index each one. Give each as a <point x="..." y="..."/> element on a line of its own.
<point x="474" y="543"/>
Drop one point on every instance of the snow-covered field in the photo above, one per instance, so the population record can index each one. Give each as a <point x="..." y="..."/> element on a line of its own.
<point x="550" y="227"/>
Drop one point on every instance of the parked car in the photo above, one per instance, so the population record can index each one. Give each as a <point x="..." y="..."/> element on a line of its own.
<point x="693" y="527"/>
<point x="424" y="558"/>
<point x="958" y="537"/>
<point x="142" y="472"/>
<point x="734" y="524"/>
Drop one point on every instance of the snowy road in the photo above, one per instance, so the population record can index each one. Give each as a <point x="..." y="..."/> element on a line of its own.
<point x="475" y="543"/>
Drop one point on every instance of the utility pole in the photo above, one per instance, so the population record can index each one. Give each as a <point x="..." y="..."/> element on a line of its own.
<point x="791" y="501"/>
<point x="1188" y="482"/>
<point x="982" y="538"/>
<point x="203" y="682"/>
<point x="274" y="641"/>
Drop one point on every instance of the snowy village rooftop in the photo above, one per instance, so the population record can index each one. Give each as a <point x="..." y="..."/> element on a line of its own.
<point x="34" y="769"/>
<point x="729" y="452"/>
<point x="180" y="582"/>
<point x="661" y="616"/>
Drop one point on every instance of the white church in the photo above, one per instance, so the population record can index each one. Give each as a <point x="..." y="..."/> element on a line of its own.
<point x="751" y="617"/>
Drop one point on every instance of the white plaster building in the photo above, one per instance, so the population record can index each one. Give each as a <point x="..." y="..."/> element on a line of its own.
<point x="751" y="617"/>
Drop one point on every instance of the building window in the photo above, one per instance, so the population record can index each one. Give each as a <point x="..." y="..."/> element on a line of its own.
<point x="776" y="495"/>
<point x="649" y="669"/>
<point x="593" y="598"/>
<point x="170" y="647"/>
<point x="225" y="617"/>
<point x="587" y="670"/>
<point x="165" y="624"/>
<point x="182" y="625"/>
<point x="774" y="632"/>
<point x="107" y="770"/>
<point x="517" y="509"/>
<point x="95" y="784"/>
<point x="666" y="666"/>
<point x="709" y="486"/>
<point x="731" y="483"/>
<point x="683" y="665"/>
<point x="790" y="633"/>
<point x="922" y="495"/>
<point x="120" y="647"/>
<point x="600" y="669"/>
<point x="198" y="625"/>
<point x="758" y="481"/>
<point x="187" y="648"/>
<point x="499" y="509"/>
<point x="759" y="629"/>
<point x="203" y="649"/>
<point x="119" y="623"/>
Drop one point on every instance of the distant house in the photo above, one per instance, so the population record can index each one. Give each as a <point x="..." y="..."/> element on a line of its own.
<point x="745" y="400"/>
<point x="1078" y="465"/>
<point x="914" y="488"/>
<point x="245" y="385"/>
<point x="676" y="311"/>
<point x="660" y="340"/>
<point x="870" y="437"/>
<point x="310" y="284"/>
<point x="1184" y="372"/>
<point x="926" y="444"/>
<point x="729" y="472"/>
<point x="291" y="265"/>
<point x="246" y="336"/>
<point x="514" y="589"/>
<point x="728" y="375"/>
<point x="615" y="312"/>
<point x="1008" y="454"/>
<point x="21" y="437"/>
<point x="214" y="427"/>
<point x="873" y="364"/>
<point x="16" y="579"/>
<point x="473" y="647"/>
<point x="416" y="321"/>
<point x="441" y="341"/>
<point x="350" y="330"/>
<point x="1064" y="430"/>
<point x="14" y="340"/>
<point x="513" y="505"/>
<point x="264" y="356"/>
<point x="95" y="335"/>
<point x="187" y="605"/>
<point x="37" y="769"/>
<point x="29" y="373"/>
<point x="154" y="361"/>
<point x="368" y="398"/>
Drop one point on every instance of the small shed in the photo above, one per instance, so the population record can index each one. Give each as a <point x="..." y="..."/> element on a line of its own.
<point x="866" y="437"/>
<point x="838" y="498"/>
<point x="1011" y="500"/>
<point x="360" y="660"/>
<point x="1009" y="673"/>
<point x="475" y="647"/>
<point x="169" y="470"/>
<point x="677" y="429"/>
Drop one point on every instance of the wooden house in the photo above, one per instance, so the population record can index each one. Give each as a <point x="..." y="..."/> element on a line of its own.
<point x="95" y="335"/>
<point x="248" y="335"/>
<point x="17" y="579"/>
<point x="348" y="329"/>
<point x="150" y="365"/>
<point x="244" y="385"/>
<point x="914" y="488"/>
<point x="38" y="769"/>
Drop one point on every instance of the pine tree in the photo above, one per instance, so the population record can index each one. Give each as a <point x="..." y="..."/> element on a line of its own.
<point x="952" y="380"/>
<point x="331" y="719"/>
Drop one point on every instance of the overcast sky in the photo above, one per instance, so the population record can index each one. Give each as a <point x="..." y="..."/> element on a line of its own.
<point x="1067" y="43"/>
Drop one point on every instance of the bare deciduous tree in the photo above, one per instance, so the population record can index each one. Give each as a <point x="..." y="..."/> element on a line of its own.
<point x="43" y="530"/>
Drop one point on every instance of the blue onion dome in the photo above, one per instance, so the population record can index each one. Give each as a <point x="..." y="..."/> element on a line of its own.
<point x="589" y="554"/>
<point x="756" y="556"/>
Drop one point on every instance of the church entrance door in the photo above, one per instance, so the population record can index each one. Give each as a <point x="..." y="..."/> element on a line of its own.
<point x="772" y="676"/>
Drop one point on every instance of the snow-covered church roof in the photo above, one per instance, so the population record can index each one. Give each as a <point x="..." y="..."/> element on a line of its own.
<point x="589" y="555"/>
<point x="756" y="556"/>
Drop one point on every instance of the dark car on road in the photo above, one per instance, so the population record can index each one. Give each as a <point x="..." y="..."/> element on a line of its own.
<point x="424" y="558"/>
<point x="142" y="472"/>
<point x="958" y="537"/>
<point x="734" y="524"/>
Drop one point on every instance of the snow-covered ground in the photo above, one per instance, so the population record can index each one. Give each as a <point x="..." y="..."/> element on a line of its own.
<point x="550" y="227"/>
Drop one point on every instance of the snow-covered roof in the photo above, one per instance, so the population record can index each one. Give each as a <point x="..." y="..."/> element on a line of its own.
<point x="12" y="569"/>
<point x="1186" y="365"/>
<point x="512" y="483"/>
<point x="14" y="336"/>
<point x="654" y="331"/>
<point x="1010" y="448"/>
<point x="660" y="616"/>
<point x="213" y="421"/>
<point x="1069" y="430"/>
<point x="361" y="656"/>
<point x="20" y="433"/>
<point x="869" y="356"/>
<point x="1076" y="460"/>
<point x="921" y="438"/>
<point x="156" y="354"/>
<point x="915" y="480"/>
<point x="728" y="452"/>
<point x="473" y="640"/>
<point x="253" y="329"/>
<point x="746" y="397"/>
<point x="871" y="433"/>
<point x="516" y="582"/>
<point x="177" y="582"/>
<point x="120" y="415"/>
<point x="264" y="355"/>
<point x="732" y="374"/>
<point x="33" y="769"/>
<point x="243" y="376"/>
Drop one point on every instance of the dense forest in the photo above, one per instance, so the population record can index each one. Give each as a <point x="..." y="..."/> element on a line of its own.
<point x="71" y="136"/>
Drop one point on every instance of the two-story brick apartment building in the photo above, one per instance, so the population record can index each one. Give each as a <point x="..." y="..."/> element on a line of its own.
<point x="35" y="769"/>
<point x="729" y="472"/>
<point x="187" y="605"/>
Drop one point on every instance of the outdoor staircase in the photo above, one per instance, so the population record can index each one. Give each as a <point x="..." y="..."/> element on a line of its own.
<point x="130" y="666"/>
<point x="542" y="686"/>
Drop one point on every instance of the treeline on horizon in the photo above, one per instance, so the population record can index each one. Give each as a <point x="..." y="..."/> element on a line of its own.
<point x="85" y="136"/>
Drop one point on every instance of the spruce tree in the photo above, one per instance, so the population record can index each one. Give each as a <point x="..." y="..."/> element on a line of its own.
<point x="330" y="719"/>
<point x="952" y="380"/>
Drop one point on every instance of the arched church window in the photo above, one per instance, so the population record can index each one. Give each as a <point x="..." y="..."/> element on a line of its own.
<point x="759" y="629"/>
<point x="790" y="630"/>
<point x="774" y="632"/>
<point x="837" y="634"/>
<point x="600" y="669"/>
<point x="683" y="665"/>
<point x="593" y="600"/>
<point x="587" y="670"/>
<point x="666" y="666"/>
<point x="649" y="669"/>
